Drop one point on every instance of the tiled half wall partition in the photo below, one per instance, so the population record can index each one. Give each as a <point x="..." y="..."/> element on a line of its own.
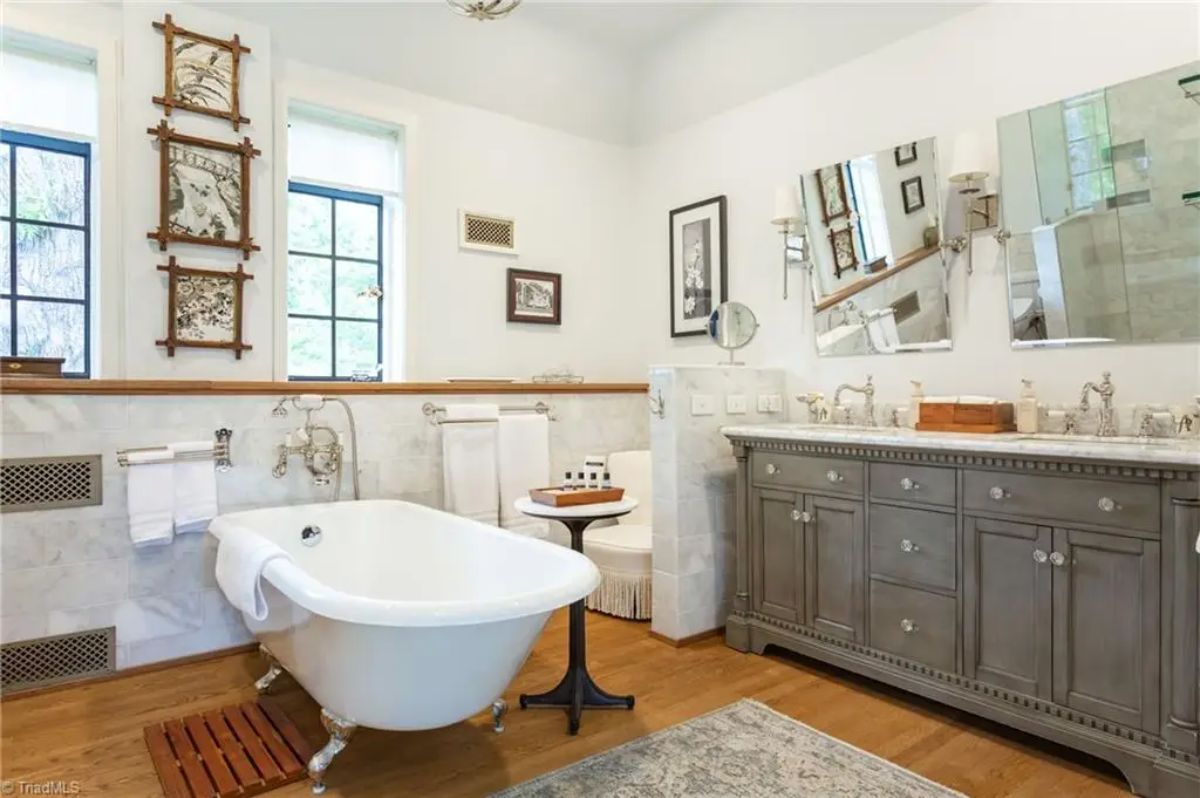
<point x="66" y="570"/>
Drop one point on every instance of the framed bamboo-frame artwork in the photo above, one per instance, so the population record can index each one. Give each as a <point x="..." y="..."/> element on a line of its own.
<point x="200" y="73"/>
<point x="204" y="309"/>
<point x="203" y="191"/>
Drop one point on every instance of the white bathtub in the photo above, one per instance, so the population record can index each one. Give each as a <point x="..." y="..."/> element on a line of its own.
<point x="403" y="617"/>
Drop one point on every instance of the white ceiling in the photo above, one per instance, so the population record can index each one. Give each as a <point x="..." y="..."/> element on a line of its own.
<point x="631" y="28"/>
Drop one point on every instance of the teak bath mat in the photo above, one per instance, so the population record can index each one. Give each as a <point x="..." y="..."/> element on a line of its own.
<point x="239" y="750"/>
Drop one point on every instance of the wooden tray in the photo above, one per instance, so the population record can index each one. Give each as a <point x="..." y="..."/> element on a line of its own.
<point x="966" y="417"/>
<point x="947" y="426"/>
<point x="558" y="497"/>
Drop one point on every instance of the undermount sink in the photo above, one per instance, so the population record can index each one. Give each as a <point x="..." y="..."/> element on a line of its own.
<point x="1093" y="440"/>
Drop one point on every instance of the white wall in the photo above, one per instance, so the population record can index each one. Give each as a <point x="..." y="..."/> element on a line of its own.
<point x="951" y="81"/>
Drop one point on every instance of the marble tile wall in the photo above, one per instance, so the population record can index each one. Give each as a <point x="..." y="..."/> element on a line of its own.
<point x="693" y="474"/>
<point x="73" y="569"/>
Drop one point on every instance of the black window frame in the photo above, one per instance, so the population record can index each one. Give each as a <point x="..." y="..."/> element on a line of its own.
<point x="13" y="140"/>
<point x="334" y="195"/>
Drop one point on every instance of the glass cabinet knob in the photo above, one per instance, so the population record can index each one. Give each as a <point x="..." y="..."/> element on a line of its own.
<point x="908" y="484"/>
<point x="907" y="626"/>
<point x="1057" y="559"/>
<point x="907" y="546"/>
<point x="998" y="493"/>
<point x="796" y="515"/>
<point x="772" y="468"/>
<point x="833" y="476"/>
<point x="1107" y="505"/>
<point x="1039" y="556"/>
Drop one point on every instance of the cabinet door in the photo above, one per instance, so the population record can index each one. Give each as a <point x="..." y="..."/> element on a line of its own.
<point x="835" y="572"/>
<point x="1007" y="604"/>
<point x="1106" y="654"/>
<point x="777" y="555"/>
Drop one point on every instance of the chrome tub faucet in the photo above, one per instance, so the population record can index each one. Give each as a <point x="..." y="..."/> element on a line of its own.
<point x="868" y="392"/>
<point x="1108" y="422"/>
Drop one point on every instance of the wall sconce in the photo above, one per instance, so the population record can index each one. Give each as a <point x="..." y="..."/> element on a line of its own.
<point x="789" y="218"/>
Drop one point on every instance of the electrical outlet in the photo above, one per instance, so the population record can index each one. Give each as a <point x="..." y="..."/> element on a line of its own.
<point x="774" y="403"/>
<point x="703" y="404"/>
<point x="764" y="403"/>
<point x="735" y="404"/>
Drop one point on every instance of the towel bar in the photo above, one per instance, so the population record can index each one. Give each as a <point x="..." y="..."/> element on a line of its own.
<point x="219" y="452"/>
<point x="432" y="412"/>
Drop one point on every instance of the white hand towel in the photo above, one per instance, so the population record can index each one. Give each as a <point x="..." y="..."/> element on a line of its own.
<point x="524" y="457"/>
<point x="470" y="484"/>
<point x="241" y="557"/>
<point x="150" y="496"/>
<point x="195" y="488"/>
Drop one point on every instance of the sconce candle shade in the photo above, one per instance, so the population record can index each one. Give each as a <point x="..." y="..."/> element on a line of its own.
<point x="787" y="206"/>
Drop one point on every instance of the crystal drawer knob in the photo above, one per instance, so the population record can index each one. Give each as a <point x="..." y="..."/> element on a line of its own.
<point x="796" y="515"/>
<point x="1039" y="556"/>
<point x="908" y="484"/>
<point x="772" y="468"/>
<point x="907" y="626"/>
<point x="908" y="547"/>
<point x="1107" y="505"/>
<point x="833" y="476"/>
<point x="1057" y="559"/>
<point x="998" y="493"/>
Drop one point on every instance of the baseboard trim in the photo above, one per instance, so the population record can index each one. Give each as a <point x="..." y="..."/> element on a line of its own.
<point x="137" y="670"/>
<point x="690" y="639"/>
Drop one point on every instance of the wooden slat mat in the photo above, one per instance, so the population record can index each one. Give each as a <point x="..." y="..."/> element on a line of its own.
<point x="239" y="750"/>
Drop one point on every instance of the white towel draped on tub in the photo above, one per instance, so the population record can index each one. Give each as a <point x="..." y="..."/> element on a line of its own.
<point x="150" y="494"/>
<point x="470" y="484"/>
<point x="241" y="557"/>
<point x="524" y="457"/>
<point x="195" y="488"/>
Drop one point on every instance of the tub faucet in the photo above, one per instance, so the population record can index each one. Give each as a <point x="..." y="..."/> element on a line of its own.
<point x="868" y="392"/>
<point x="1108" y="425"/>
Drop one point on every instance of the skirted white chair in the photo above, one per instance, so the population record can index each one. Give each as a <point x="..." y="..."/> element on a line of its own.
<point x="622" y="552"/>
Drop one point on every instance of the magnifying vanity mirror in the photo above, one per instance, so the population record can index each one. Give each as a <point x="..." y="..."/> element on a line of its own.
<point x="1103" y="246"/>
<point x="731" y="326"/>
<point x="879" y="282"/>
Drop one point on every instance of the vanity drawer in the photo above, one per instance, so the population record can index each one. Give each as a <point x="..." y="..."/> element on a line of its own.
<point x="913" y="624"/>
<point x="818" y="474"/>
<point x="1081" y="501"/>
<point x="914" y="546"/>
<point x="925" y="484"/>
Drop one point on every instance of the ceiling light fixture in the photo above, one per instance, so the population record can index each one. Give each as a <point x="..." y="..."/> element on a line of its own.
<point x="484" y="9"/>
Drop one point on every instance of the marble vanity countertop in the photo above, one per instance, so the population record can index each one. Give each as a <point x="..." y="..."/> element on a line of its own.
<point x="1154" y="451"/>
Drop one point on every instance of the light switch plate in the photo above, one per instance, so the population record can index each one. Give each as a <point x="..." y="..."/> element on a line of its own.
<point x="704" y="404"/>
<point x="735" y="404"/>
<point x="774" y="402"/>
<point x="764" y="403"/>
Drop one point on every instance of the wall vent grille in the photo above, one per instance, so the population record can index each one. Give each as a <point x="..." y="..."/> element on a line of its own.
<point x="487" y="232"/>
<point x="47" y="483"/>
<point x="26" y="664"/>
<point x="907" y="306"/>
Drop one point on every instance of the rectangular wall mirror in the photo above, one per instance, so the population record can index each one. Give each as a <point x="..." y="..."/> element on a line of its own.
<point x="879" y="283"/>
<point x="1101" y="195"/>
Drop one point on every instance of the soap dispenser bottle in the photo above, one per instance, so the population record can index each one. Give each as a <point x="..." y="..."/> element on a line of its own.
<point x="914" y="407"/>
<point x="1027" y="408"/>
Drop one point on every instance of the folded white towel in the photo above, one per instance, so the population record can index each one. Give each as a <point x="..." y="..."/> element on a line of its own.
<point x="470" y="483"/>
<point x="524" y="458"/>
<point x="150" y="497"/>
<point x="241" y="557"/>
<point x="968" y="399"/>
<point x="195" y="488"/>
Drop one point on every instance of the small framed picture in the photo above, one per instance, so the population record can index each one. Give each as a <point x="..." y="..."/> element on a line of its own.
<point x="844" y="257"/>
<point x="906" y="153"/>
<point x="200" y="73"/>
<point x="832" y="188"/>
<point x="534" y="297"/>
<point x="698" y="280"/>
<point x="913" y="194"/>
<point x="204" y="309"/>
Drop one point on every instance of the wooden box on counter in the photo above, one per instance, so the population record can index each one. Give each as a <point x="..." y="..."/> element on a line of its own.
<point x="45" y="367"/>
<point x="966" y="417"/>
<point x="572" y="497"/>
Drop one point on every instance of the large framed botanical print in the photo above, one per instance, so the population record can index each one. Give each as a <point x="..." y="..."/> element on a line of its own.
<point x="204" y="309"/>
<point x="204" y="191"/>
<point x="200" y="73"/>
<point x="698" y="279"/>
<point x="832" y="187"/>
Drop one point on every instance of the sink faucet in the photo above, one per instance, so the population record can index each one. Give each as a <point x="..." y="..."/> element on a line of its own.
<point x="868" y="392"/>
<point x="1108" y="426"/>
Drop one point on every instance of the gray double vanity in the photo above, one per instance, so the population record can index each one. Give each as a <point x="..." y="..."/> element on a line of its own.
<point x="1047" y="584"/>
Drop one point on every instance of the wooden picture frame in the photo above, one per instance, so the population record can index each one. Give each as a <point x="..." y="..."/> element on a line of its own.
<point x="912" y="194"/>
<point x="845" y="257"/>
<point x="201" y="81"/>
<point x="835" y="205"/>
<point x="199" y="298"/>
<point x="697" y="266"/>
<point x="181" y="175"/>
<point x="534" y="297"/>
<point x="906" y="154"/>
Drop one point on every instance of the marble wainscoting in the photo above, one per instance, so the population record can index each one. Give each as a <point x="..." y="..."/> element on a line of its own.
<point x="693" y="474"/>
<point x="73" y="569"/>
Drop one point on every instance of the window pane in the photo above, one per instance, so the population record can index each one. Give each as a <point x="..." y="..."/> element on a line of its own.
<point x="357" y="230"/>
<point x="310" y="285"/>
<point x="5" y="327"/>
<point x="1085" y="190"/>
<point x="1084" y="156"/>
<point x="51" y="329"/>
<point x="5" y="267"/>
<point x="50" y="186"/>
<point x="310" y="223"/>
<point x="309" y="346"/>
<point x="4" y="175"/>
<point x="354" y="278"/>
<point x="50" y="261"/>
<point x="356" y="347"/>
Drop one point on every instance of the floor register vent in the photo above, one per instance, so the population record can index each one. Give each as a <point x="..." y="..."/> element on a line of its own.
<point x="43" y="661"/>
<point x="48" y="483"/>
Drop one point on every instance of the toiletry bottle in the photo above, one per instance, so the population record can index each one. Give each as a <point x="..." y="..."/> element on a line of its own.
<point x="593" y="482"/>
<point x="580" y="481"/>
<point x="607" y="481"/>
<point x="1027" y="408"/>
<point x="914" y="406"/>
<point x="567" y="484"/>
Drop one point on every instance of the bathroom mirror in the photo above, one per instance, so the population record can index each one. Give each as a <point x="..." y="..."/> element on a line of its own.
<point x="1100" y="193"/>
<point x="879" y="283"/>
<point x="731" y="326"/>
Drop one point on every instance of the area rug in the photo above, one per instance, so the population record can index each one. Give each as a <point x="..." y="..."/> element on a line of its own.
<point x="743" y="750"/>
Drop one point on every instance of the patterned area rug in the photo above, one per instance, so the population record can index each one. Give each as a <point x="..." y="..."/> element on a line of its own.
<point x="743" y="750"/>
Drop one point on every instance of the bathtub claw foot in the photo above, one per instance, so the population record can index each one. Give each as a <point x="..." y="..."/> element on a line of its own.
<point x="340" y="731"/>
<point x="499" y="710"/>
<point x="264" y="682"/>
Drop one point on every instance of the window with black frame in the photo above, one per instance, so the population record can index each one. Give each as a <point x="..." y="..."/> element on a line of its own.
<point x="45" y="235"/>
<point x="334" y="286"/>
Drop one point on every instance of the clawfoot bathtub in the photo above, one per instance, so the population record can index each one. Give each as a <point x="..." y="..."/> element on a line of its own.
<point x="396" y="616"/>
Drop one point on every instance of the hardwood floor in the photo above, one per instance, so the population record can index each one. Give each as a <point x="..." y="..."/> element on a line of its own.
<point x="93" y="733"/>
